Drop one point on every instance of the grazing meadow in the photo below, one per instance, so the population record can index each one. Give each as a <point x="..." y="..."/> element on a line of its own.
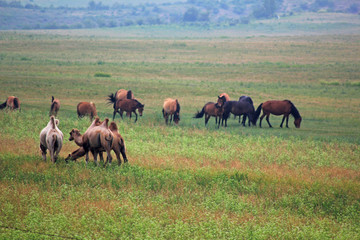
<point x="188" y="181"/>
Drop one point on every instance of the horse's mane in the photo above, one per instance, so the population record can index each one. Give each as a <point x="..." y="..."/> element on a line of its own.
<point x="129" y="94"/>
<point x="177" y="106"/>
<point x="138" y="103"/>
<point x="294" y="110"/>
<point x="16" y="103"/>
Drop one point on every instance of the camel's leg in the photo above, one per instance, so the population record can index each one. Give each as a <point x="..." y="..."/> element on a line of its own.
<point x="122" y="151"/>
<point x="43" y="152"/>
<point x="101" y="156"/>
<point x="166" y="118"/>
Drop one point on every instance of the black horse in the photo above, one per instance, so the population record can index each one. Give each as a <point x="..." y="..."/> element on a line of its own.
<point x="239" y="108"/>
<point x="249" y="100"/>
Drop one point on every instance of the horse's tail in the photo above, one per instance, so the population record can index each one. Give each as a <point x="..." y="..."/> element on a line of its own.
<point x="52" y="108"/>
<point x="112" y="99"/>
<point x="3" y="105"/>
<point x="52" y="98"/>
<point x="257" y="113"/>
<point x="129" y="94"/>
<point x="200" y="114"/>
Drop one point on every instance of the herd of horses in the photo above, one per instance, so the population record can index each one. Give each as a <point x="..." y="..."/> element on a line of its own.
<point x="101" y="137"/>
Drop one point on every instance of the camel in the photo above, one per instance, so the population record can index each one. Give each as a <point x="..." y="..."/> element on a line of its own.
<point x="55" y="106"/>
<point x="95" y="139"/>
<point x="118" y="143"/>
<point x="51" y="138"/>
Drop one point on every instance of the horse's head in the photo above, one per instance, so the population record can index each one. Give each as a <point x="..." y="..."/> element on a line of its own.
<point x="220" y="102"/>
<point x="141" y="109"/>
<point x="73" y="134"/>
<point x="297" y="122"/>
<point x="177" y="117"/>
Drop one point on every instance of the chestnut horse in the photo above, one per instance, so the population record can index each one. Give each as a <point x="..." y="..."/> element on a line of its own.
<point x="129" y="106"/>
<point x="212" y="110"/>
<point x="226" y="96"/>
<point x="86" y="108"/>
<point x="12" y="103"/>
<point x="284" y="107"/>
<point x="55" y="106"/>
<point x="171" y="107"/>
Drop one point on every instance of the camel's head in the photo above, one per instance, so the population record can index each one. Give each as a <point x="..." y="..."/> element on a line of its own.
<point x="73" y="134"/>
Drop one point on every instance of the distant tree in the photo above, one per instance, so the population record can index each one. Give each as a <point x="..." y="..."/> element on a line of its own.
<point x="191" y="15"/>
<point x="267" y="10"/>
<point x="204" y="16"/>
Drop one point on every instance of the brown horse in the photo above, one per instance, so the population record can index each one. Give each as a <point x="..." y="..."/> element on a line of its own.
<point x="212" y="110"/>
<point x="171" y="107"/>
<point x="12" y="103"/>
<point x="284" y="107"/>
<point x="129" y="106"/>
<point x="55" y="106"/>
<point x="86" y="108"/>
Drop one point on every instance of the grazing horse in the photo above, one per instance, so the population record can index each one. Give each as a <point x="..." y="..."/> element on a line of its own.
<point x="249" y="100"/>
<point x="129" y="106"/>
<point x="211" y="109"/>
<point x="12" y="103"/>
<point x="86" y="108"/>
<point x="284" y="107"/>
<point x="51" y="138"/>
<point x="239" y="108"/>
<point x="55" y="106"/>
<point x="171" y="107"/>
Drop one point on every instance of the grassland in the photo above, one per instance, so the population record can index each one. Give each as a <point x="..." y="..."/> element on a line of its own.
<point x="187" y="181"/>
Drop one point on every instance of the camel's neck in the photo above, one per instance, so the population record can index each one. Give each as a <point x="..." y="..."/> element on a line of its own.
<point x="78" y="140"/>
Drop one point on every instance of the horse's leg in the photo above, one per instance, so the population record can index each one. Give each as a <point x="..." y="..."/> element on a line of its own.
<point x="43" y="152"/>
<point x="121" y="114"/>
<point x="219" y="121"/>
<point x="171" y="116"/>
<point x="135" y="115"/>
<point x="261" y="118"/>
<point x="282" y="121"/>
<point x="287" y="121"/>
<point x="114" y="114"/>
<point x="87" y="156"/>
<point x="244" y="119"/>
<point x="267" y="119"/>
<point x="216" y="120"/>
<point x="207" y="117"/>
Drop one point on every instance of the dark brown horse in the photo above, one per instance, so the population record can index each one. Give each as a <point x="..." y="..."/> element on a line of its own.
<point x="249" y="100"/>
<point x="171" y="107"/>
<point x="239" y="108"/>
<point x="129" y="106"/>
<point x="284" y="107"/>
<point x="212" y="110"/>
<point x="86" y="108"/>
<point x="11" y="103"/>
<point x="55" y="106"/>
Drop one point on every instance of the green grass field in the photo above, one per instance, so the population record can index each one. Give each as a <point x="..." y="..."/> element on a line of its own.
<point x="187" y="181"/>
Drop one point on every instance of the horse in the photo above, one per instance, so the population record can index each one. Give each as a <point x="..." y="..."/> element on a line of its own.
<point x="171" y="107"/>
<point x="275" y="107"/>
<point x="249" y="100"/>
<point x="211" y="109"/>
<point x="239" y="108"/>
<point x="12" y="103"/>
<point x="129" y="106"/>
<point x="86" y="108"/>
<point x="227" y="98"/>
<point x="51" y="138"/>
<point x="55" y="106"/>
